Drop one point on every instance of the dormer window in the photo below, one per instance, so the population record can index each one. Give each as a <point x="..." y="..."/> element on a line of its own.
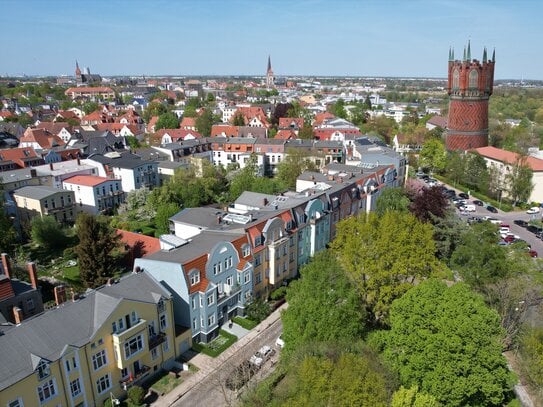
<point x="43" y="370"/>
<point x="194" y="277"/>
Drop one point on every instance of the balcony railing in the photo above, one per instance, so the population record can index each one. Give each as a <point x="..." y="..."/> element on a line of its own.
<point x="156" y="340"/>
<point x="228" y="293"/>
<point x="133" y="378"/>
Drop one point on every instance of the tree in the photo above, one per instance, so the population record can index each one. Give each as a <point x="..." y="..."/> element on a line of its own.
<point x="338" y="109"/>
<point x="281" y="110"/>
<point x="238" y="119"/>
<point x="412" y="397"/>
<point x="97" y="242"/>
<point x="349" y="380"/>
<point x="519" y="181"/>
<point x="296" y="162"/>
<point x="154" y="109"/>
<point x="204" y="122"/>
<point x="429" y="204"/>
<point x="258" y="310"/>
<point x="167" y="120"/>
<point x="478" y="259"/>
<point x="162" y="218"/>
<point x="433" y="155"/>
<point x="448" y="234"/>
<point x="531" y="355"/>
<point x="455" y="167"/>
<point x="8" y="237"/>
<point x="476" y="172"/>
<point x="306" y="133"/>
<point x="447" y="341"/>
<point x="392" y="199"/>
<point x="48" y="233"/>
<point x="385" y="256"/>
<point x="323" y="305"/>
<point x="89" y="107"/>
<point x="210" y="98"/>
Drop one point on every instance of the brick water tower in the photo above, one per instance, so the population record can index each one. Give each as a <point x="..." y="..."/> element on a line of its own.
<point x="469" y="86"/>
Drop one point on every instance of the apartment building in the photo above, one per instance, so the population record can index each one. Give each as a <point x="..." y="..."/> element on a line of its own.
<point x="42" y="200"/>
<point x="89" y="349"/>
<point x="95" y="194"/>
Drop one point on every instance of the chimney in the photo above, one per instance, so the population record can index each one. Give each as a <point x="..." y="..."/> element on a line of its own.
<point x="18" y="315"/>
<point x="60" y="294"/>
<point x="73" y="295"/>
<point x="51" y="166"/>
<point x="33" y="273"/>
<point x="6" y="265"/>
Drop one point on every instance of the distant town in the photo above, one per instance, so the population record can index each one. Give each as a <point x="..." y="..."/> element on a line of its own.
<point x="155" y="229"/>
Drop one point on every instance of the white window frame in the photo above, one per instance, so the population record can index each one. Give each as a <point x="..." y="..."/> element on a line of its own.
<point x="246" y="250"/>
<point x="210" y="319"/>
<point x="99" y="360"/>
<point x="104" y="380"/>
<point x="166" y="345"/>
<point x="52" y="388"/>
<point x="162" y="322"/>
<point x="194" y="277"/>
<point x="138" y="340"/>
<point x="210" y="299"/>
<point x="246" y="277"/>
<point x="18" y="402"/>
<point x="154" y="353"/>
<point x="75" y="385"/>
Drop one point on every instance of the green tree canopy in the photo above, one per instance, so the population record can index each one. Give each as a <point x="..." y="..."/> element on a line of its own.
<point x="296" y="162"/>
<point x="323" y="305"/>
<point x="447" y="341"/>
<point x="204" y="122"/>
<point x="412" y="397"/>
<point x="167" y="120"/>
<point x="154" y="109"/>
<point x="519" y="180"/>
<point x="433" y="155"/>
<point x="392" y="199"/>
<point x="385" y="256"/>
<point x="48" y="233"/>
<point x="97" y="243"/>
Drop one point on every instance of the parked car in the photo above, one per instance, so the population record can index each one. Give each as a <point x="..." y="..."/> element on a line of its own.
<point x="280" y="343"/>
<point x="521" y="223"/>
<point x="532" y="253"/>
<point x="534" y="229"/>
<point x="463" y="195"/>
<point x="533" y="210"/>
<point x="256" y="360"/>
<point x="478" y="203"/>
<point x="468" y="208"/>
<point x="504" y="229"/>
<point x="490" y="208"/>
<point x="265" y="352"/>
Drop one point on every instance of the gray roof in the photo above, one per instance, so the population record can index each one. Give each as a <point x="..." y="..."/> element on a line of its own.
<point x="205" y="217"/>
<point x="38" y="191"/>
<point x="255" y="199"/>
<point x="241" y="140"/>
<point x="126" y="160"/>
<point x="15" y="175"/>
<point x="248" y="131"/>
<point x="173" y="165"/>
<point x="73" y="323"/>
<point x="199" y="245"/>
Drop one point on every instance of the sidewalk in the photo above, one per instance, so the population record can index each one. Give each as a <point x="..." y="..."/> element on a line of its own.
<point x="208" y="365"/>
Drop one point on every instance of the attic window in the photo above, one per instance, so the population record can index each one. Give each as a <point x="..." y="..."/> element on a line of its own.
<point x="43" y="370"/>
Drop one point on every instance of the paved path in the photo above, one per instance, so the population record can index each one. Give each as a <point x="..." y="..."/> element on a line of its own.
<point x="207" y="365"/>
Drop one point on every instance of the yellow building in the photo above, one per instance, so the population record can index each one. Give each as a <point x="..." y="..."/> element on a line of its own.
<point x="88" y="350"/>
<point x="42" y="201"/>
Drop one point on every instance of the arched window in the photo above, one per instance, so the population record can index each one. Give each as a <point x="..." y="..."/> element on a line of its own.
<point x="473" y="79"/>
<point x="456" y="79"/>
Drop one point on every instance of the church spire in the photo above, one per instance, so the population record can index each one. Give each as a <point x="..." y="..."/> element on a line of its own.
<point x="484" y="55"/>
<point x="469" y="51"/>
<point x="269" y="64"/>
<point x="494" y="55"/>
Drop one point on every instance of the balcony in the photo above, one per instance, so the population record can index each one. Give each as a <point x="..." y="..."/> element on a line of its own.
<point x="229" y="292"/>
<point x="134" y="378"/>
<point x="156" y="340"/>
<point x="121" y="336"/>
<point x="48" y="211"/>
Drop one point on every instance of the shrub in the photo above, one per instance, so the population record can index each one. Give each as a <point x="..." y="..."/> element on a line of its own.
<point x="136" y="394"/>
<point x="278" y="293"/>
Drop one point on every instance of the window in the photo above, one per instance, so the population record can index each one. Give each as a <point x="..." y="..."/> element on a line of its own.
<point x="103" y="384"/>
<point x="215" y="269"/>
<point x="154" y="353"/>
<point x="230" y="261"/>
<point x="18" y="402"/>
<point x="225" y="264"/>
<point x="134" y="317"/>
<point x="246" y="250"/>
<point x="133" y="346"/>
<point x="201" y="302"/>
<point x="194" y="277"/>
<point x="47" y="391"/>
<point x="257" y="260"/>
<point x="166" y="345"/>
<point x="194" y="323"/>
<point x="258" y="278"/>
<point x="210" y="299"/>
<point x="68" y="366"/>
<point x="124" y="372"/>
<point x="473" y="78"/>
<point x="163" y="322"/>
<point x="75" y="388"/>
<point x="456" y="79"/>
<point x="193" y="300"/>
<point x="99" y="359"/>
<point x="258" y="240"/>
<point x="210" y="320"/>
<point x="230" y="280"/>
<point x="43" y="370"/>
<point x="246" y="277"/>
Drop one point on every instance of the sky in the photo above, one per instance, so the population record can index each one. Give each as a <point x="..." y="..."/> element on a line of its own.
<point x="234" y="37"/>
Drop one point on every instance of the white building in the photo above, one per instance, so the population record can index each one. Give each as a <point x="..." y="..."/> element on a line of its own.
<point x="95" y="194"/>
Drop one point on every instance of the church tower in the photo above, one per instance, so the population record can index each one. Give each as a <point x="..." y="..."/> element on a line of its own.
<point x="470" y="84"/>
<point x="78" y="78"/>
<point x="269" y="75"/>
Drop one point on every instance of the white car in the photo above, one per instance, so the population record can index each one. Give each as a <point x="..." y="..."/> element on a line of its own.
<point x="280" y="343"/>
<point x="265" y="352"/>
<point x="533" y="210"/>
<point x="468" y="208"/>
<point x="256" y="360"/>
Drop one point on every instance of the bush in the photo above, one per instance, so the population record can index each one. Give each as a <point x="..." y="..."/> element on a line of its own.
<point x="136" y="395"/>
<point x="245" y="322"/>
<point x="258" y="310"/>
<point x="69" y="254"/>
<point x="278" y="293"/>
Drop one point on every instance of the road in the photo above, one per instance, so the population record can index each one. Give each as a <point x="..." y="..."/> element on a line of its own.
<point x="211" y="391"/>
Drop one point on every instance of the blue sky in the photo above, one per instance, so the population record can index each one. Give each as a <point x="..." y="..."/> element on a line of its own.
<point x="304" y="37"/>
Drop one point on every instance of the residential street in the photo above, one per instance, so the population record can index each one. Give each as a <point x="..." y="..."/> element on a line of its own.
<point x="206" y="387"/>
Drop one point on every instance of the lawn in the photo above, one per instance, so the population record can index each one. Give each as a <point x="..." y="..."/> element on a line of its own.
<point x="217" y="345"/>
<point x="166" y="383"/>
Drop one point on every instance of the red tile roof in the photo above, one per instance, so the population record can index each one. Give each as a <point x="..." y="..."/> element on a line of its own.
<point x="87" y="180"/>
<point x="326" y="134"/>
<point x="150" y="244"/>
<point x="286" y="134"/>
<point x="178" y="134"/>
<point x="224" y="130"/>
<point x="152" y="123"/>
<point x="188" y="122"/>
<point x="54" y="127"/>
<point x="199" y="264"/>
<point x="509" y="157"/>
<point x="288" y="121"/>
<point x="85" y="89"/>
<point x="321" y="117"/>
<point x="6" y="289"/>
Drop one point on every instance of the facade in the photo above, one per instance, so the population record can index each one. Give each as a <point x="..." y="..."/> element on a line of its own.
<point x="95" y="194"/>
<point x="93" y="93"/>
<point x="470" y="84"/>
<point x="210" y="278"/>
<point x="42" y="201"/>
<point x="503" y="162"/>
<point x="89" y="349"/>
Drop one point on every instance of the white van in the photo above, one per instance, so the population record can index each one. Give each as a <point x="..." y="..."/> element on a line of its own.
<point x="468" y="208"/>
